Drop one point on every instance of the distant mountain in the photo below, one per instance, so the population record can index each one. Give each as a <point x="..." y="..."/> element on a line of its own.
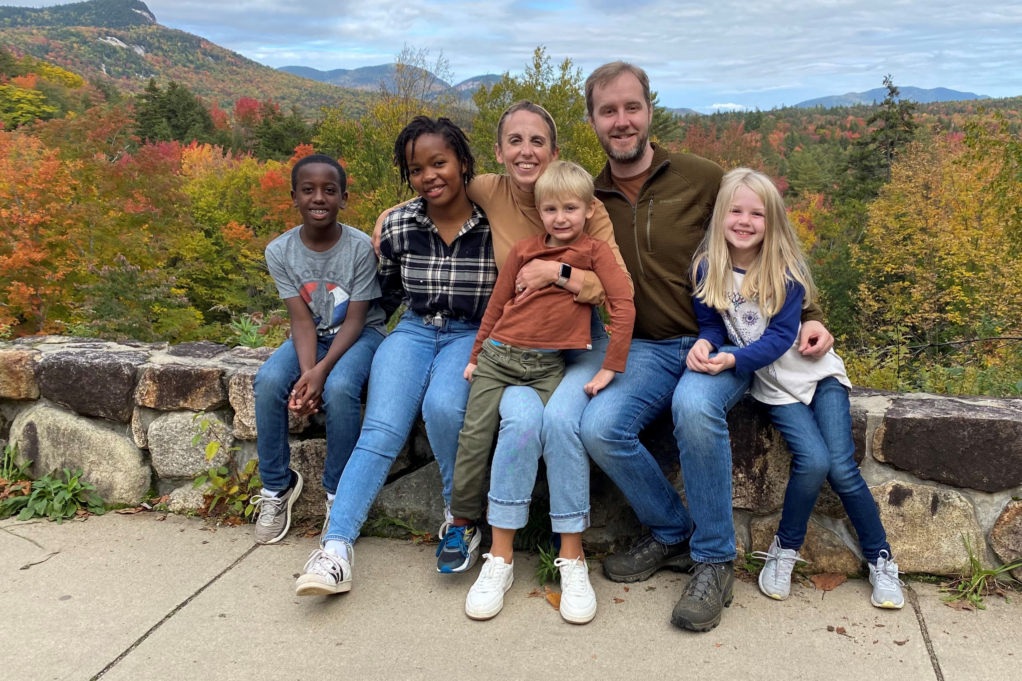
<point x="371" y="77"/>
<point x="682" y="111"/>
<point x="920" y="95"/>
<point x="100" y="13"/>
<point x="121" y="42"/>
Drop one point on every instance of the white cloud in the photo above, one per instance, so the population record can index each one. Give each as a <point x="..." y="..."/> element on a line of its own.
<point x="728" y="107"/>
<point x="696" y="52"/>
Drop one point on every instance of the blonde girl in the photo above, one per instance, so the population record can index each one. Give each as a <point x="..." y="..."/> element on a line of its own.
<point x="751" y="282"/>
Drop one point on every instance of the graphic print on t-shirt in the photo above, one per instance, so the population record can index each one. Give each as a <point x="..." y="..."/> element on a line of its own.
<point x="326" y="297"/>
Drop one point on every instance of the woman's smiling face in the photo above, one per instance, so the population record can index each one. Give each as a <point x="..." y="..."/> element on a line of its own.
<point x="524" y="148"/>
<point x="434" y="170"/>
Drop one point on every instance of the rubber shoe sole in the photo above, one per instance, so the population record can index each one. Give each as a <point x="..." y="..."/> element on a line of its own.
<point x="287" y="512"/>
<point x="708" y="625"/>
<point x="483" y="615"/>
<point x="580" y="618"/>
<point x="886" y="605"/>
<point x="320" y="589"/>
<point x="678" y="564"/>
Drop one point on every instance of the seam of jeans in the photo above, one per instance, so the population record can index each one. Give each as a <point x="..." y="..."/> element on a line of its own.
<point x="505" y="502"/>
<point x="573" y="514"/>
<point x="701" y="559"/>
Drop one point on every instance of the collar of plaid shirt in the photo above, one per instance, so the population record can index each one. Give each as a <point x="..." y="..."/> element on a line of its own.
<point x="432" y="278"/>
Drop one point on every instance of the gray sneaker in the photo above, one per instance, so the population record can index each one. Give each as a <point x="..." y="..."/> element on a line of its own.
<point x="275" y="512"/>
<point x="775" y="577"/>
<point x="886" y="585"/>
<point x="646" y="557"/>
<point x="705" y="597"/>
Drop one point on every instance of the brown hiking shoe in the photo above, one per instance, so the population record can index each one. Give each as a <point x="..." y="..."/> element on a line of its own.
<point x="275" y="512"/>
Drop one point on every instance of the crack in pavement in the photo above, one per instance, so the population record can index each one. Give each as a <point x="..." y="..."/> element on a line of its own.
<point x="30" y="541"/>
<point x="180" y="606"/>
<point x="913" y="599"/>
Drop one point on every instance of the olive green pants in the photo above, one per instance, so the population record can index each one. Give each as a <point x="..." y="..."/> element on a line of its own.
<point x="499" y="366"/>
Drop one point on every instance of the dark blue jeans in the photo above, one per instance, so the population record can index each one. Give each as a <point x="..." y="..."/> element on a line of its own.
<point x="342" y="404"/>
<point x="820" y="439"/>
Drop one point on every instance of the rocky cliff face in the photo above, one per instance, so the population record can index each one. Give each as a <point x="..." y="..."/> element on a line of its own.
<point x="97" y="13"/>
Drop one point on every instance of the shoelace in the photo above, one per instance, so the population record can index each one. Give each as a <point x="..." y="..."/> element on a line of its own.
<point x="701" y="582"/>
<point x="644" y="544"/>
<point x="887" y="575"/>
<point x="326" y="564"/>
<point x="490" y="576"/>
<point x="454" y="539"/>
<point x="573" y="580"/>
<point x="785" y="563"/>
<point x="268" y="508"/>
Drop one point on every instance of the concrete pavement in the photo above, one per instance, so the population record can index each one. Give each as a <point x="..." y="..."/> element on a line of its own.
<point x="131" y="597"/>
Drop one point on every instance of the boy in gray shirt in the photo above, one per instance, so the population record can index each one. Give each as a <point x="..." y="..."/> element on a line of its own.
<point x="326" y="274"/>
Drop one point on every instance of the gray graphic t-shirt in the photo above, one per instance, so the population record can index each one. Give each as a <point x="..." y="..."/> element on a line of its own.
<point x="328" y="281"/>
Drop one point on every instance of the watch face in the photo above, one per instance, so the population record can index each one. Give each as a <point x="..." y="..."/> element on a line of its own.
<point x="565" y="270"/>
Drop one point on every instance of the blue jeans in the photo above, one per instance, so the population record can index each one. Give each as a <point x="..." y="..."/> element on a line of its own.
<point x="820" y="439"/>
<point x="528" y="432"/>
<point x="418" y="367"/>
<point x="610" y="428"/>
<point x="342" y="404"/>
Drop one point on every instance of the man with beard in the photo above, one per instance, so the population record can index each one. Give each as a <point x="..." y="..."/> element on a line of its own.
<point x="660" y="203"/>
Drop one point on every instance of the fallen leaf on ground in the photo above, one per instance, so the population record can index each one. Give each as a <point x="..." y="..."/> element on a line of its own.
<point x="619" y="600"/>
<point x="650" y="588"/>
<point x="880" y="625"/>
<point x="830" y="628"/>
<point x="841" y="630"/>
<point x="553" y="597"/>
<point x="161" y="517"/>
<point x="626" y="589"/>
<point x="901" y="643"/>
<point x="960" y="605"/>
<point x="828" y="581"/>
<point x="534" y="594"/>
<point x="717" y="645"/>
<point x="129" y="511"/>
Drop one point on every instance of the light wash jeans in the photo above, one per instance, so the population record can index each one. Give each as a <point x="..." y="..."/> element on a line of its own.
<point x="820" y="439"/>
<point x="528" y="432"/>
<point x="342" y="404"/>
<point x="418" y="367"/>
<point x="610" y="428"/>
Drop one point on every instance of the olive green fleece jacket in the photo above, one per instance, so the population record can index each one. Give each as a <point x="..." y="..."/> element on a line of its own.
<point x="659" y="235"/>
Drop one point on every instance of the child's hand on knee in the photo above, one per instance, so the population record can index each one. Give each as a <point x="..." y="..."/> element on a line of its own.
<point x="599" y="382"/>
<point x="720" y="362"/>
<point x="469" y="370"/>
<point x="699" y="355"/>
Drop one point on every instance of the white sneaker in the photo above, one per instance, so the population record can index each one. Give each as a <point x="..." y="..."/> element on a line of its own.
<point x="578" y="600"/>
<point x="775" y="577"/>
<point x="486" y="597"/>
<point x="446" y="524"/>
<point x="325" y="574"/>
<point x="886" y="585"/>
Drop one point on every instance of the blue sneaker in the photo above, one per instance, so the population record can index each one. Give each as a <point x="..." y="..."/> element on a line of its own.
<point x="459" y="550"/>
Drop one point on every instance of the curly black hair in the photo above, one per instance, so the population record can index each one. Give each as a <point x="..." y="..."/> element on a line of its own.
<point x="452" y="135"/>
<point x="320" y="158"/>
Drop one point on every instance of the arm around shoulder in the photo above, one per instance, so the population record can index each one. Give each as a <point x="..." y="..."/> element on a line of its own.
<point x="600" y="227"/>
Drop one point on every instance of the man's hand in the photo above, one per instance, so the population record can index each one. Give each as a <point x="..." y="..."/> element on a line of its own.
<point x="699" y="355"/>
<point x="469" y="370"/>
<point x="534" y="275"/>
<point x="815" y="341"/>
<point x="599" y="382"/>
<point x="308" y="392"/>
<point x="722" y="361"/>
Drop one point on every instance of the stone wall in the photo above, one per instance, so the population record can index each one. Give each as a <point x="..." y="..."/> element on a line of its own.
<point x="939" y="468"/>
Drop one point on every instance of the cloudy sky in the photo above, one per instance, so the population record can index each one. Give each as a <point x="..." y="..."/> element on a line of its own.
<point x="703" y="55"/>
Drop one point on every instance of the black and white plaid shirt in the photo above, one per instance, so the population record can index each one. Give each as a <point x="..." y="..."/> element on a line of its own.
<point x="430" y="277"/>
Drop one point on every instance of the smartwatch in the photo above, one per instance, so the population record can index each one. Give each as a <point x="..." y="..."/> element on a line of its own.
<point x="563" y="274"/>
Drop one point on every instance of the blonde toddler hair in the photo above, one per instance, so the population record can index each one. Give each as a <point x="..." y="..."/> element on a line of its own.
<point x="780" y="257"/>
<point x="563" y="179"/>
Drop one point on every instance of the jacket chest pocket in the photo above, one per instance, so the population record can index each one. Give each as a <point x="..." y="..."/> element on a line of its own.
<point x="670" y="227"/>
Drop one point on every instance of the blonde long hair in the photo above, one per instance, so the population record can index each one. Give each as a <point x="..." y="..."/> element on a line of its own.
<point x="780" y="258"/>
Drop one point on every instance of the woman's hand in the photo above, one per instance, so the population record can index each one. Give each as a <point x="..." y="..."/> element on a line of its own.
<point x="378" y="230"/>
<point x="814" y="340"/>
<point x="308" y="392"/>
<point x="535" y="275"/>
<point x="469" y="370"/>
<point x="599" y="382"/>
<point x="699" y="355"/>
<point x="722" y="361"/>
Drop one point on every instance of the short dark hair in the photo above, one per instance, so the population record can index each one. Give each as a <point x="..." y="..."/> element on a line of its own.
<point x="319" y="158"/>
<point x="452" y="135"/>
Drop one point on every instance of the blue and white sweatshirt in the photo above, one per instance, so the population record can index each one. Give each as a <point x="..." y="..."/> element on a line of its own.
<point x="768" y="347"/>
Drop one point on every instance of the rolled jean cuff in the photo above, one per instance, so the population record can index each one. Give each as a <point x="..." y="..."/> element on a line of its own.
<point x="672" y="541"/>
<point x="508" y="515"/>
<point x="569" y="523"/>
<point x="333" y="536"/>
<point x="715" y="559"/>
